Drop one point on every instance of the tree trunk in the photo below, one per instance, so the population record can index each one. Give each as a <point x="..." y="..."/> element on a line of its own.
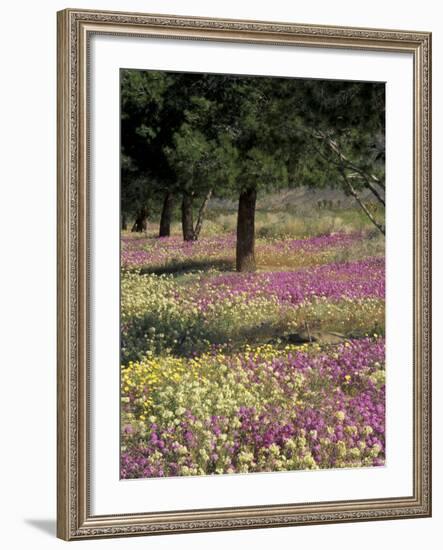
<point x="201" y="215"/>
<point x="187" y="218"/>
<point x="141" y="221"/>
<point x="165" y="219"/>
<point x="245" y="260"/>
<point x="124" y="222"/>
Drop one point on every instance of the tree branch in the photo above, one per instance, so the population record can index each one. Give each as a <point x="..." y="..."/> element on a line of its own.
<point x="375" y="192"/>
<point x="361" y="203"/>
<point x="349" y="164"/>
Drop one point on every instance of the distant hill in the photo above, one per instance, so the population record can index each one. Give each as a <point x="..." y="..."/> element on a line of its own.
<point x="299" y="198"/>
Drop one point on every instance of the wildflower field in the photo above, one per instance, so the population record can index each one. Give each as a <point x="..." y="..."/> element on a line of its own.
<point x="279" y="369"/>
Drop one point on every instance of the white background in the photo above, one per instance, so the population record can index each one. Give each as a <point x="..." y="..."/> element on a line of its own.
<point x="28" y="273"/>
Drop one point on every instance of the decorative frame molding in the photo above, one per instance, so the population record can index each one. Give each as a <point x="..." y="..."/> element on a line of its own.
<point x="75" y="28"/>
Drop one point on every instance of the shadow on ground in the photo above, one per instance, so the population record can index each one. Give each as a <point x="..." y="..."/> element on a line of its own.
<point x="48" y="526"/>
<point x="177" y="268"/>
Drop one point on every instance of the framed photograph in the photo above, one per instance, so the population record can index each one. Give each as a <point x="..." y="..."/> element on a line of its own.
<point x="244" y="238"/>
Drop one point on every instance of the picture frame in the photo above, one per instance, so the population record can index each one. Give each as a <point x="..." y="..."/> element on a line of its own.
<point x="76" y="315"/>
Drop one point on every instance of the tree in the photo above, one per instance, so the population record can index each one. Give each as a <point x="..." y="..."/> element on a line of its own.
<point x="262" y="150"/>
<point x="152" y="109"/>
<point x="161" y="112"/>
<point x="201" y="164"/>
<point x="318" y="133"/>
<point x="192" y="136"/>
<point x="141" y="100"/>
<point x="345" y="125"/>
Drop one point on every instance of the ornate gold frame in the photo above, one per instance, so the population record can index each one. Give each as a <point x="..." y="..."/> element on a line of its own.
<point x="74" y="520"/>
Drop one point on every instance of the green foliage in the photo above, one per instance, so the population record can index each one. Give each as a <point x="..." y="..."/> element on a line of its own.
<point x="191" y="132"/>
